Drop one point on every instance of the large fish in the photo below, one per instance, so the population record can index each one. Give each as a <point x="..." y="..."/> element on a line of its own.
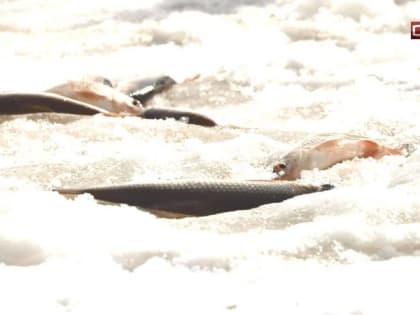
<point x="327" y="150"/>
<point x="198" y="198"/>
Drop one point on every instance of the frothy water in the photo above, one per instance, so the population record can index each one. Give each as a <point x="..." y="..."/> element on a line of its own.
<point x="272" y="73"/>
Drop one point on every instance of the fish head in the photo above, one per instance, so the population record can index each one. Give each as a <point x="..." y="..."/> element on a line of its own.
<point x="163" y="83"/>
<point x="289" y="166"/>
<point x="121" y="103"/>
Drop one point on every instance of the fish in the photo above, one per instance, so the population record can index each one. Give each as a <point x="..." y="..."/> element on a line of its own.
<point x="325" y="151"/>
<point x="198" y="197"/>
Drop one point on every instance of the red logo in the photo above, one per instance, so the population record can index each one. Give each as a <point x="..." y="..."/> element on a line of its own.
<point x="415" y="30"/>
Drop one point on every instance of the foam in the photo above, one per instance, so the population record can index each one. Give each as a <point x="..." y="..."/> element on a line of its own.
<point x="277" y="71"/>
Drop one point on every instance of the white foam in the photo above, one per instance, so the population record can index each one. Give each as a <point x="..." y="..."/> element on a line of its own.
<point x="279" y="70"/>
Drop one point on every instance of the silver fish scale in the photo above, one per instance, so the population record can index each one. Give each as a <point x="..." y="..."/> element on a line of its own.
<point x="215" y="186"/>
<point x="191" y="197"/>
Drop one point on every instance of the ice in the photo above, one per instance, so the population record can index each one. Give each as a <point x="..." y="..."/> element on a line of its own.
<point x="272" y="74"/>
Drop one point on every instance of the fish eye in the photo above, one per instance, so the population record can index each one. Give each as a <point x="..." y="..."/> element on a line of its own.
<point x="279" y="167"/>
<point x="136" y="103"/>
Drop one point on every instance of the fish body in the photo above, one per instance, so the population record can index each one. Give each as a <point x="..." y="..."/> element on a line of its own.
<point x="24" y="103"/>
<point x="198" y="198"/>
